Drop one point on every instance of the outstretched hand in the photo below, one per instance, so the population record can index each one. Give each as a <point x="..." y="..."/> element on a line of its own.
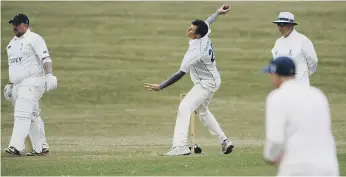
<point x="224" y="9"/>
<point x="152" y="87"/>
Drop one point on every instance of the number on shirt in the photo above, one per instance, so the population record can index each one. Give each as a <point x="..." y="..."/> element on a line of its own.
<point x="211" y="52"/>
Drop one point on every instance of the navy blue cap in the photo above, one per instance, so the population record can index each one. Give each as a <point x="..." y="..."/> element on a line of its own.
<point x="18" y="19"/>
<point x="283" y="66"/>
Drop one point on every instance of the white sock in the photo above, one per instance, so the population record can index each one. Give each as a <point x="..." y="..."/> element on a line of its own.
<point x="20" y="132"/>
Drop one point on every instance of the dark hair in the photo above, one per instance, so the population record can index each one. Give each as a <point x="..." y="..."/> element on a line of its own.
<point x="202" y="27"/>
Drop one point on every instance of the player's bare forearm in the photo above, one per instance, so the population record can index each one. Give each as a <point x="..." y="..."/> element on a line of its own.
<point x="212" y="18"/>
<point x="47" y="66"/>
<point x="173" y="79"/>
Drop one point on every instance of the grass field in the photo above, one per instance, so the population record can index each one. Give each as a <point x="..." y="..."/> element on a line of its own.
<point x="101" y="121"/>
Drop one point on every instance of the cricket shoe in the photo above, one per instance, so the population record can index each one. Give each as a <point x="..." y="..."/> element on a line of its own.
<point x="13" y="151"/>
<point x="179" y="150"/>
<point x="227" y="146"/>
<point x="44" y="152"/>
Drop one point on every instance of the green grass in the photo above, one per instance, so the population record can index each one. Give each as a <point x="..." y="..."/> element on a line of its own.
<point x="101" y="121"/>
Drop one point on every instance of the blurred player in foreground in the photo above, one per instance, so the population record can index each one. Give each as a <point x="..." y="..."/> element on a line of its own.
<point x="295" y="45"/>
<point x="30" y="73"/>
<point x="199" y="60"/>
<point x="298" y="125"/>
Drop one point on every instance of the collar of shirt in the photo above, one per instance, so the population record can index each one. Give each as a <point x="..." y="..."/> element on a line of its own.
<point x="26" y="34"/>
<point x="288" y="82"/>
<point x="293" y="33"/>
<point x="195" y="41"/>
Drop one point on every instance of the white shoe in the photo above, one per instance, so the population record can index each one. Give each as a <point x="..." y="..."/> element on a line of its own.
<point x="179" y="150"/>
<point x="227" y="146"/>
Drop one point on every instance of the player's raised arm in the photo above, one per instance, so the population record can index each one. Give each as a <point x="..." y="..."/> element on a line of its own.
<point x="222" y="10"/>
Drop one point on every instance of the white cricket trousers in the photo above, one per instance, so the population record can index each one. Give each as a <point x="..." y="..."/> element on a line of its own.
<point x="198" y="98"/>
<point x="27" y="121"/>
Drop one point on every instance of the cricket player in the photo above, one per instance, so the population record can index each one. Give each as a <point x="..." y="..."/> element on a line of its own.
<point x="298" y="125"/>
<point x="199" y="60"/>
<point x="295" y="45"/>
<point x="30" y="75"/>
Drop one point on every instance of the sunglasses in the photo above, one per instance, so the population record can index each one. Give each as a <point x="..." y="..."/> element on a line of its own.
<point x="282" y="24"/>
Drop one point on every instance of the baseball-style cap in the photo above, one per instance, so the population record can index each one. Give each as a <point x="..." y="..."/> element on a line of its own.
<point x="285" y="17"/>
<point x="18" y="19"/>
<point x="283" y="66"/>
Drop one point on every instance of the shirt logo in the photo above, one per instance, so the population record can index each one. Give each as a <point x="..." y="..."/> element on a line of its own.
<point x="15" y="60"/>
<point x="8" y="47"/>
<point x="44" y="51"/>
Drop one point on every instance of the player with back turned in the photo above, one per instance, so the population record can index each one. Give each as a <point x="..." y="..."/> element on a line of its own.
<point x="299" y="134"/>
<point x="199" y="60"/>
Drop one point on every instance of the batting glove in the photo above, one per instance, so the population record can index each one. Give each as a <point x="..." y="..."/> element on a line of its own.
<point x="8" y="92"/>
<point x="51" y="82"/>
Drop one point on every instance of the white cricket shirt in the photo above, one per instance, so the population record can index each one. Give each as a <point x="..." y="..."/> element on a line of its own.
<point x="301" y="50"/>
<point x="298" y="118"/>
<point x="25" y="56"/>
<point x="199" y="60"/>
